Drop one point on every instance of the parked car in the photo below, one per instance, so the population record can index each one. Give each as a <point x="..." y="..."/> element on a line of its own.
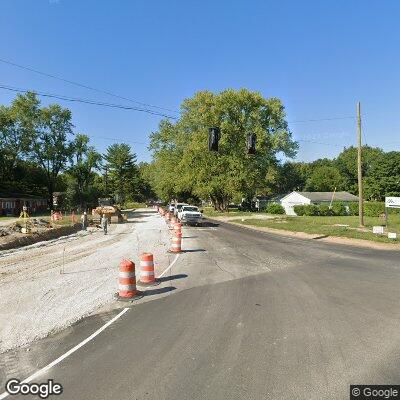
<point x="178" y="207"/>
<point x="190" y="215"/>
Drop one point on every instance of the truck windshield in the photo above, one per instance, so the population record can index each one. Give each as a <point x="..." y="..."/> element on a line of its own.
<point x="190" y="209"/>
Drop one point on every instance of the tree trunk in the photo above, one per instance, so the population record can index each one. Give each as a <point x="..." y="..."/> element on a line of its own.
<point x="220" y="203"/>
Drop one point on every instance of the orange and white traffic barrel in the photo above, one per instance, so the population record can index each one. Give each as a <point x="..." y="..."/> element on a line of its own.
<point x="176" y="243"/>
<point x="147" y="277"/>
<point x="177" y="227"/>
<point x="127" y="281"/>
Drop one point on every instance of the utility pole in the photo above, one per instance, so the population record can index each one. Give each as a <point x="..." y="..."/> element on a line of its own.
<point x="360" y="183"/>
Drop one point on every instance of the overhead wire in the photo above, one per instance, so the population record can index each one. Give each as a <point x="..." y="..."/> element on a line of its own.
<point x="84" y="86"/>
<point x="87" y="101"/>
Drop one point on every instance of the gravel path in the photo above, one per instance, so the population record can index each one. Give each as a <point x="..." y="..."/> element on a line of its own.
<point x="48" y="287"/>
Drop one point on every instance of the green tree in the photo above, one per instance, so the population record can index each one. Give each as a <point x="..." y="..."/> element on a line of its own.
<point x="346" y="162"/>
<point x="184" y="164"/>
<point x="324" y="179"/>
<point x="122" y="171"/>
<point x="84" y="160"/>
<point x="51" y="148"/>
<point x="18" y="124"/>
<point x="383" y="177"/>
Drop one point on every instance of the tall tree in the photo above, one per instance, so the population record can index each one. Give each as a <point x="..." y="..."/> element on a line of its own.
<point x="324" y="179"/>
<point x="181" y="155"/>
<point x="18" y="124"/>
<point x="84" y="160"/>
<point x="51" y="148"/>
<point x="123" y="172"/>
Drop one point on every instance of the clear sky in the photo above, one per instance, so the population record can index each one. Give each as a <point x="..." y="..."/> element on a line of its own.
<point x="320" y="57"/>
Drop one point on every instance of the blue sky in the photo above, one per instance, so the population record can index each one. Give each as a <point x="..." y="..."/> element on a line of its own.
<point x="319" y="57"/>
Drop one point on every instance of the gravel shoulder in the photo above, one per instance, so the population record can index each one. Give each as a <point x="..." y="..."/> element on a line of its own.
<point x="49" y="286"/>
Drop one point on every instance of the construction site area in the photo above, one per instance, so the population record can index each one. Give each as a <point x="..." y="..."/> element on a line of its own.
<point x="48" y="285"/>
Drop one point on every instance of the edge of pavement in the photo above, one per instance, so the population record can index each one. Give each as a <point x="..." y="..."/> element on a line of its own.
<point x="322" y="238"/>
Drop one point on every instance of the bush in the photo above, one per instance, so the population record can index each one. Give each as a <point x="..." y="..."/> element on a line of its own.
<point x="339" y="209"/>
<point x="311" y="210"/>
<point x="353" y="208"/>
<point x="374" y="208"/>
<point x="275" y="208"/>
<point x="325" y="210"/>
<point x="247" y="205"/>
<point x="299" y="210"/>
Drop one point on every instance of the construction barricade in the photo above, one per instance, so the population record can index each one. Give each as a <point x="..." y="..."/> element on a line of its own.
<point x="127" y="282"/>
<point x="147" y="276"/>
<point x="176" y="243"/>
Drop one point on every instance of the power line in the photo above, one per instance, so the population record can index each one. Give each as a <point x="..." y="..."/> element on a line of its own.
<point x="116" y="140"/>
<point x="84" y="86"/>
<point x="87" y="101"/>
<point x="322" y="119"/>
<point x="325" y="144"/>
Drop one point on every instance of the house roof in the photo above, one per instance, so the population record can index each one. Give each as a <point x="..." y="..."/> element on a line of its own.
<point x="26" y="196"/>
<point x="327" y="196"/>
<point x="275" y="197"/>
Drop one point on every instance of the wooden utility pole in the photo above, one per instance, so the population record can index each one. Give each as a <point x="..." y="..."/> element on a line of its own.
<point x="360" y="183"/>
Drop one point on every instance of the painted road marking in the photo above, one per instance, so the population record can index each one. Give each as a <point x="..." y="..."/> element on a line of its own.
<point x="69" y="352"/>
<point x="170" y="266"/>
<point x="78" y="346"/>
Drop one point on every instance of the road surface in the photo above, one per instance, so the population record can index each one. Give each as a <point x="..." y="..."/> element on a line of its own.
<point x="243" y="315"/>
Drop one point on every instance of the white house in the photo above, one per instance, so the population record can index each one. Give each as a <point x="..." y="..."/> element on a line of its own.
<point x="303" y="198"/>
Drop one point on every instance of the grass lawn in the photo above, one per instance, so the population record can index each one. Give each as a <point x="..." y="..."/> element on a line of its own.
<point x="210" y="212"/>
<point x="325" y="226"/>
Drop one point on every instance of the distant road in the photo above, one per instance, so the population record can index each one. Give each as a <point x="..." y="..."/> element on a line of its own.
<point x="250" y="315"/>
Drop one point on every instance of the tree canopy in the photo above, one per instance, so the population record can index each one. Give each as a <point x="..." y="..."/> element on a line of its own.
<point x="182" y="162"/>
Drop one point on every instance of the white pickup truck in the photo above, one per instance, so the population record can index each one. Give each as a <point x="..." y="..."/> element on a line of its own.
<point x="190" y="215"/>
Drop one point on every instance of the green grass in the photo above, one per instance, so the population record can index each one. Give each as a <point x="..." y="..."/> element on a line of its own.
<point x="324" y="226"/>
<point x="133" y="204"/>
<point x="210" y="212"/>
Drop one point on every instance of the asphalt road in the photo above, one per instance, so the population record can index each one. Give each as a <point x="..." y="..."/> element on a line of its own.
<point x="241" y="315"/>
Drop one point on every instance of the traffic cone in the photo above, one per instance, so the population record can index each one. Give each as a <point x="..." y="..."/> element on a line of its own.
<point x="147" y="277"/>
<point x="177" y="227"/>
<point x="127" y="282"/>
<point x="176" y="243"/>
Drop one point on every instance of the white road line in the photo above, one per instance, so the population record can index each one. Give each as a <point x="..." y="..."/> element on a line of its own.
<point x="69" y="352"/>
<point x="169" y="267"/>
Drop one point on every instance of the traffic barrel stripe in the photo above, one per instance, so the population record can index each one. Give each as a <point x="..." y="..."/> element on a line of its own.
<point x="176" y="245"/>
<point x="147" y="276"/>
<point x="127" y="282"/>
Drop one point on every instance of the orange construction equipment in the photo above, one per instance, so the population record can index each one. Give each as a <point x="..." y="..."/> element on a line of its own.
<point x="147" y="277"/>
<point x="127" y="281"/>
<point x="176" y="245"/>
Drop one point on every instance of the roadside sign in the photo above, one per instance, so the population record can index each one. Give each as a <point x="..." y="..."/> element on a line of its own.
<point x="392" y="235"/>
<point x="377" y="229"/>
<point x="392" y="202"/>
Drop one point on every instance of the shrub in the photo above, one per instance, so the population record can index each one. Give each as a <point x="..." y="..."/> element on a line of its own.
<point x="325" y="210"/>
<point x="339" y="209"/>
<point x="299" y="210"/>
<point x="374" y="208"/>
<point x="311" y="210"/>
<point x="275" y="208"/>
<point x="353" y="208"/>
